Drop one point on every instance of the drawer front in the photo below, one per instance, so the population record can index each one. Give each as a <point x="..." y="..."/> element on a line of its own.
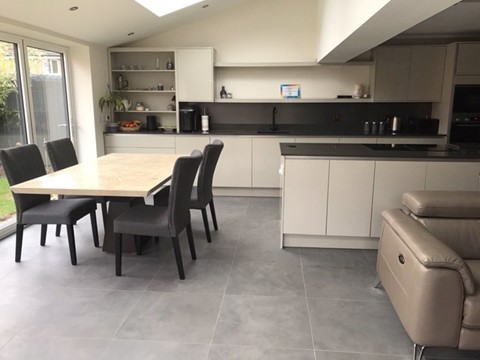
<point x="140" y="141"/>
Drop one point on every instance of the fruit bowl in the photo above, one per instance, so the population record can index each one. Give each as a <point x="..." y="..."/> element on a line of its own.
<point x="130" y="126"/>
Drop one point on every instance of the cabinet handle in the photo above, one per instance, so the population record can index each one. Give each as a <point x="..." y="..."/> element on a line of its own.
<point x="401" y="259"/>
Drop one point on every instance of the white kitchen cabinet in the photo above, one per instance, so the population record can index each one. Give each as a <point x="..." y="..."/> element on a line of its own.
<point x="392" y="179"/>
<point x="305" y="192"/>
<point x="234" y="168"/>
<point x="452" y="176"/>
<point x="317" y="139"/>
<point x="184" y="144"/>
<point x="195" y="74"/>
<point x="468" y="59"/>
<point x="266" y="161"/>
<point x="350" y="197"/>
<point x="409" y="73"/>
<point x="139" y="143"/>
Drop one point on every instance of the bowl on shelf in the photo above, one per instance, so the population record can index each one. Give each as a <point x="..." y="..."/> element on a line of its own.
<point x="130" y="126"/>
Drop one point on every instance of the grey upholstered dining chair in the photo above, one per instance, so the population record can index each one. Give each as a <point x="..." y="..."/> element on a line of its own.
<point x="202" y="194"/>
<point x="25" y="163"/>
<point x="62" y="155"/>
<point x="163" y="221"/>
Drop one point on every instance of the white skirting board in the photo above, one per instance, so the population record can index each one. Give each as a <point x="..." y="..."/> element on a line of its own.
<point x="338" y="242"/>
<point x="256" y="192"/>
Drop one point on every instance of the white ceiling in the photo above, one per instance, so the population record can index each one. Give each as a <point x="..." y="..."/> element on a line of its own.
<point x="104" y="22"/>
<point x="108" y="22"/>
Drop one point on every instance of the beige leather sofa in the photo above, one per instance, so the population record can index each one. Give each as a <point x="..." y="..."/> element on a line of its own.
<point x="429" y="264"/>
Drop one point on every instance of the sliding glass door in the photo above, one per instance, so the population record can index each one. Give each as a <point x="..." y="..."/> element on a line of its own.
<point x="34" y="106"/>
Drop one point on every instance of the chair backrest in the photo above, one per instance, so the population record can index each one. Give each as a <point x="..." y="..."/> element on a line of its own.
<point x="211" y="154"/>
<point x="181" y="184"/>
<point x="61" y="153"/>
<point x="20" y="164"/>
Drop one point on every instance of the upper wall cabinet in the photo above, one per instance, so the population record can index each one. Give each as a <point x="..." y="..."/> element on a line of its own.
<point x="195" y="74"/>
<point x="468" y="59"/>
<point x="409" y="73"/>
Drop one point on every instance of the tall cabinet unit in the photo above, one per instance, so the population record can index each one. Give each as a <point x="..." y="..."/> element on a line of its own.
<point x="146" y="76"/>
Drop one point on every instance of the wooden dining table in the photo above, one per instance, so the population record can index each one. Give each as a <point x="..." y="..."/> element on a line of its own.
<point x="127" y="176"/>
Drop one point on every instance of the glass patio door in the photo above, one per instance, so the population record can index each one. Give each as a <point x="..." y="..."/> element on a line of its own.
<point x="13" y="130"/>
<point x="48" y="95"/>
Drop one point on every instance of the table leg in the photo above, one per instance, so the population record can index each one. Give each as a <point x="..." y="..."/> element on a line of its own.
<point x="115" y="208"/>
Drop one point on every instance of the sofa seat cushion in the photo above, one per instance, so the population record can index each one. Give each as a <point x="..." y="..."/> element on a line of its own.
<point x="461" y="235"/>
<point x="444" y="204"/>
<point x="471" y="309"/>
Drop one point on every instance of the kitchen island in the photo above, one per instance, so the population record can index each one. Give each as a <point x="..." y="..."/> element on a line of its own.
<point x="333" y="194"/>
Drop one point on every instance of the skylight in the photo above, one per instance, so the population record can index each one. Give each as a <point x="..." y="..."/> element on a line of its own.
<point x="164" y="7"/>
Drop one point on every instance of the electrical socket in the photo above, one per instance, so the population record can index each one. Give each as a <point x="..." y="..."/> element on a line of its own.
<point x="337" y="117"/>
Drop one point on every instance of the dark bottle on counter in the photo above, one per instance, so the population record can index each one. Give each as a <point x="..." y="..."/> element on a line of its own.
<point x="223" y="93"/>
<point x="374" y="128"/>
<point x="381" y="128"/>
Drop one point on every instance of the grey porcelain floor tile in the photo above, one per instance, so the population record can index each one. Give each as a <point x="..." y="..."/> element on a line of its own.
<point x="93" y="273"/>
<point x="257" y="278"/>
<point x="371" y="256"/>
<point x="276" y="256"/>
<point x="53" y="349"/>
<point x="450" y="354"/>
<point x="264" y="321"/>
<point x="264" y="208"/>
<point x="354" y="283"/>
<point x="229" y="352"/>
<point x="357" y="326"/>
<point x="72" y="312"/>
<point x="261" y="235"/>
<point x="329" y="355"/>
<point x="201" y="276"/>
<point x="172" y="317"/>
<point x="333" y="257"/>
<point x="151" y="350"/>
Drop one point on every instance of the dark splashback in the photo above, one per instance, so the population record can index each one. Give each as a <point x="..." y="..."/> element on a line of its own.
<point x="321" y="115"/>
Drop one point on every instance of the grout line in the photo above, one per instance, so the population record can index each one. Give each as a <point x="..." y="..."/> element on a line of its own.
<point x="308" y="307"/>
<point x="226" y="285"/>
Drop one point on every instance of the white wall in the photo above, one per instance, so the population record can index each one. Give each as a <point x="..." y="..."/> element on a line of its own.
<point x="88" y="70"/>
<point x="259" y="31"/>
<point x="337" y="20"/>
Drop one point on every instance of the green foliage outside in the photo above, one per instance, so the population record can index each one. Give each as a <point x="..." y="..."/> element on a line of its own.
<point x="7" y="205"/>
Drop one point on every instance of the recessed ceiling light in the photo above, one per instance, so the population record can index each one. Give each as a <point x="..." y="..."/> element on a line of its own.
<point x="131" y="33"/>
<point x="161" y="8"/>
<point x="205" y="6"/>
<point x="73" y="8"/>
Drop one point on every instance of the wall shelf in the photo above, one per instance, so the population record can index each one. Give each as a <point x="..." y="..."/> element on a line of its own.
<point x="142" y="71"/>
<point x="286" y="64"/>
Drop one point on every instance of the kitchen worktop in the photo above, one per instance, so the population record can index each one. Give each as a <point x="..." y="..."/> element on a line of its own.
<point x="383" y="151"/>
<point x="284" y="130"/>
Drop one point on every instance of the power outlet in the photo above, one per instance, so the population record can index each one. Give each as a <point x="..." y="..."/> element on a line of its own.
<point x="337" y="117"/>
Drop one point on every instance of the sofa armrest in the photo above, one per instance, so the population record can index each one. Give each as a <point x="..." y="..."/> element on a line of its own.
<point x="427" y="249"/>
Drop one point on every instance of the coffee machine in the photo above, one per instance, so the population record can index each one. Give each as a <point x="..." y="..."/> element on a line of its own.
<point x="190" y="119"/>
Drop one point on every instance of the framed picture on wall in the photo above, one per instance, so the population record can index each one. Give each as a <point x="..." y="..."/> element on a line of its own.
<point x="290" y="91"/>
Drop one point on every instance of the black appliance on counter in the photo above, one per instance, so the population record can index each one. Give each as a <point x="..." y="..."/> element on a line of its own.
<point x="190" y="120"/>
<point x="424" y="126"/>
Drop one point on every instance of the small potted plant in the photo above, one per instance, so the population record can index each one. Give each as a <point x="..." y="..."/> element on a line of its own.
<point x="112" y="99"/>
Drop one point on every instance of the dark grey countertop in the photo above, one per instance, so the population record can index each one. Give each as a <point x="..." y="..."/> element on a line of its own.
<point x="379" y="151"/>
<point x="285" y="130"/>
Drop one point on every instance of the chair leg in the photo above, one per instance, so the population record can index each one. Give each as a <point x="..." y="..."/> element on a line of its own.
<point x="18" y="243"/>
<point x="205" y="223"/>
<point x="214" y="217"/>
<point x="71" y="244"/>
<point x="178" y="257"/>
<point x="138" y="244"/>
<point x="191" y="244"/>
<point x="418" y="351"/>
<point x="118" y="254"/>
<point x="58" y="230"/>
<point x="93" y="218"/>
<point x="43" y="235"/>
<point x="104" y="212"/>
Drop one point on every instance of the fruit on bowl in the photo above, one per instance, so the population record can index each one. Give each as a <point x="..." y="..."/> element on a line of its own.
<point x="131" y="125"/>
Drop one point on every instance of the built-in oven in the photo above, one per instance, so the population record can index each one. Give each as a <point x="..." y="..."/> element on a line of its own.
<point x="465" y="127"/>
